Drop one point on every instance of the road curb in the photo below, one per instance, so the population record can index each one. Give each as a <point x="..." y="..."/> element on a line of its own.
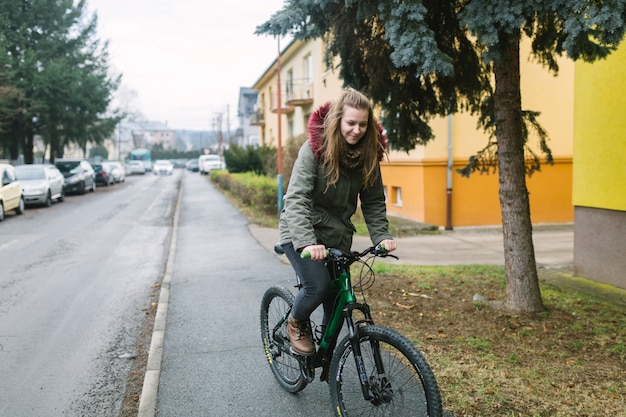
<point x="148" y="399"/>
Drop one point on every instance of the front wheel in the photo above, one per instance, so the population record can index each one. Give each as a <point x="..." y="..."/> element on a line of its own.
<point x="400" y="380"/>
<point x="275" y="307"/>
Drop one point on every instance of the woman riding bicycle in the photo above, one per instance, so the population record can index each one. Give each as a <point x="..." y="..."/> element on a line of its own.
<point x="336" y="166"/>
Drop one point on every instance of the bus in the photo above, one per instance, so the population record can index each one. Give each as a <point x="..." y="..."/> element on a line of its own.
<point x="143" y="155"/>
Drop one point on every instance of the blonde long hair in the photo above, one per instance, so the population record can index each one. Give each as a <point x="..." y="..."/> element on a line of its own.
<point x="334" y="144"/>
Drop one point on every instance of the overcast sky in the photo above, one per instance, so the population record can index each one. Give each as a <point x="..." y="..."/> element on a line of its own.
<point x="187" y="59"/>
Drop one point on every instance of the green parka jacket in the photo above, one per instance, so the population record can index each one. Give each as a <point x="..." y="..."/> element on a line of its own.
<point x="313" y="214"/>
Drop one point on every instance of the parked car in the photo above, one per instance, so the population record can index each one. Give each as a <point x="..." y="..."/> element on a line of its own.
<point x="179" y="162"/>
<point x="207" y="163"/>
<point x="136" y="167"/>
<point x="118" y="171"/>
<point x="163" y="167"/>
<point x="11" y="197"/>
<point x="41" y="183"/>
<point x="103" y="172"/>
<point x="79" y="175"/>
<point x="192" y="165"/>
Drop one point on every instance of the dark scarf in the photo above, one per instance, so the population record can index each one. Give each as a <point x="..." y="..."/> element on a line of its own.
<point x="351" y="158"/>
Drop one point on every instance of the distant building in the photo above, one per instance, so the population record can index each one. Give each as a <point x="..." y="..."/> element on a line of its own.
<point x="139" y="134"/>
<point x="249" y="133"/>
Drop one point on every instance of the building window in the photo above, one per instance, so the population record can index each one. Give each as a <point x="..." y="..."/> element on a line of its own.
<point x="290" y="129"/>
<point x="289" y="87"/>
<point x="396" y="196"/>
<point x="308" y="70"/>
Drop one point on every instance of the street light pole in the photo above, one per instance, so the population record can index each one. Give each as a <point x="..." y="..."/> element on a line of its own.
<point x="279" y="153"/>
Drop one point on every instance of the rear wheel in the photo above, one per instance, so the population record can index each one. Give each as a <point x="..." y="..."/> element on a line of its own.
<point x="20" y="207"/>
<point x="400" y="379"/>
<point x="275" y="307"/>
<point x="1" y="211"/>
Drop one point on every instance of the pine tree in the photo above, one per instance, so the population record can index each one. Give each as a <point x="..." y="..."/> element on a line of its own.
<point x="424" y="58"/>
<point x="61" y="70"/>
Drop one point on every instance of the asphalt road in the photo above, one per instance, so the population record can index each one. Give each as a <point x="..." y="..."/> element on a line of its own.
<point x="74" y="279"/>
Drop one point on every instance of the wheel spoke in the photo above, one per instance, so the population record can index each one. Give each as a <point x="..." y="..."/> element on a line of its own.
<point x="405" y="386"/>
<point x="275" y="307"/>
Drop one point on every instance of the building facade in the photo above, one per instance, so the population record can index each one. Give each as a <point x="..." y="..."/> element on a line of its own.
<point x="248" y="135"/>
<point x="423" y="185"/>
<point x="599" y="176"/>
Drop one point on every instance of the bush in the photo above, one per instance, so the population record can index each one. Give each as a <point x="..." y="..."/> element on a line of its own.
<point x="261" y="160"/>
<point x="290" y="153"/>
<point x="252" y="190"/>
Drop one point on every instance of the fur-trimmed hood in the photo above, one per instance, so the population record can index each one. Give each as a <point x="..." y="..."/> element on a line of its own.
<point x="316" y="129"/>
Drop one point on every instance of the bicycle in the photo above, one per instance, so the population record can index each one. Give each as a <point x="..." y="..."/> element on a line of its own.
<point x="373" y="370"/>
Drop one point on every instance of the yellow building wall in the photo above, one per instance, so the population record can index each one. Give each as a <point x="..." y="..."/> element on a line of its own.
<point x="474" y="200"/>
<point x="325" y="86"/>
<point x="600" y="133"/>
<point x="422" y="173"/>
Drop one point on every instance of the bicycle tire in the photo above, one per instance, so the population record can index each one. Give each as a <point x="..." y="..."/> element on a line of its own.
<point x="275" y="304"/>
<point x="410" y="385"/>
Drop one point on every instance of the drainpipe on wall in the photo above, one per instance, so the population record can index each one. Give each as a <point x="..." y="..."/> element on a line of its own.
<point x="449" y="177"/>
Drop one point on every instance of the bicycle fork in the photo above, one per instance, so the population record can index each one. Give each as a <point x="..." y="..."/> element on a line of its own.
<point x="375" y="388"/>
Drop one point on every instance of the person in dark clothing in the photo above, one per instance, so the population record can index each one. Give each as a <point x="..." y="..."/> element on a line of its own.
<point x="336" y="168"/>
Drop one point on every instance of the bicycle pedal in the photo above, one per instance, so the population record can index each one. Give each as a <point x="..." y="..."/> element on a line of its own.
<point x="300" y="355"/>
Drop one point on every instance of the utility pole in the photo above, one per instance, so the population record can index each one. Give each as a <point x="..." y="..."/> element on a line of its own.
<point x="228" y="124"/>
<point x="219" y="133"/>
<point x="279" y="153"/>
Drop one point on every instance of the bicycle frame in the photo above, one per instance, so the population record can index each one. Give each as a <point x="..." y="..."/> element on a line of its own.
<point x="345" y="305"/>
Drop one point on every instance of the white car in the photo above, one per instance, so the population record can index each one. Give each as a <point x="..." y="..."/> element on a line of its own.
<point x="117" y="171"/>
<point x="163" y="167"/>
<point x="207" y="163"/>
<point x="41" y="183"/>
<point x="136" y="167"/>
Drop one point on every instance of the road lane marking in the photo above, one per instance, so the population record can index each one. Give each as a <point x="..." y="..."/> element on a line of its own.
<point x="9" y="243"/>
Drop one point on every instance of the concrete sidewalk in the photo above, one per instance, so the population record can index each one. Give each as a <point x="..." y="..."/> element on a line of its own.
<point x="554" y="246"/>
<point x="554" y="250"/>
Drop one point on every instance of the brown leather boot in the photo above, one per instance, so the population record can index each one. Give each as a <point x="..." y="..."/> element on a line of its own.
<point x="298" y="335"/>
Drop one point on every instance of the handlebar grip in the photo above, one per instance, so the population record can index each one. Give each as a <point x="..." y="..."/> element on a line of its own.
<point x="307" y="255"/>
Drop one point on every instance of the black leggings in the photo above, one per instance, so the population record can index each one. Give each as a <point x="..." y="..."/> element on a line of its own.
<point x="317" y="287"/>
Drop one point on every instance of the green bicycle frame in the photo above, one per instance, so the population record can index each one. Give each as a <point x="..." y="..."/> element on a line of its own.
<point x="346" y="296"/>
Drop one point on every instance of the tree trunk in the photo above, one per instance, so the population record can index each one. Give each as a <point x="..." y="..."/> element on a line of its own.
<point x="522" y="283"/>
<point x="14" y="145"/>
<point x="29" y="157"/>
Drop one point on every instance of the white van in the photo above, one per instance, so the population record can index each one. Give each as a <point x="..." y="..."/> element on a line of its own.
<point x="207" y="163"/>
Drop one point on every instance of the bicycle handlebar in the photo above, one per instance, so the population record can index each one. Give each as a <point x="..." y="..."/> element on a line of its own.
<point x="336" y="254"/>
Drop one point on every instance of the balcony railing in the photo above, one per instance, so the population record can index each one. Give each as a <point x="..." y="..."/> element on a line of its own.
<point x="285" y="108"/>
<point x="299" y="94"/>
<point x="257" y="118"/>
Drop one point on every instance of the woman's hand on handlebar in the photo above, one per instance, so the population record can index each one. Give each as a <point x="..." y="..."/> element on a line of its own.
<point x="388" y="244"/>
<point x="317" y="252"/>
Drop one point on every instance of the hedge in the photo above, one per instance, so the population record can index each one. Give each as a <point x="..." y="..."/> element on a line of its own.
<point x="253" y="190"/>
